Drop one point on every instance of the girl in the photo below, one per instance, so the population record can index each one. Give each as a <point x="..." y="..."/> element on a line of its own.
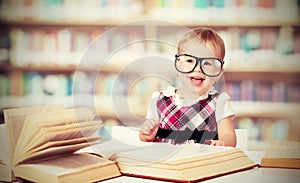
<point x="195" y="112"/>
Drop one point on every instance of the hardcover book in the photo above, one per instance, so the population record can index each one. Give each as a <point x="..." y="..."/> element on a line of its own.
<point x="39" y="144"/>
<point x="53" y="144"/>
<point x="282" y="154"/>
<point x="176" y="163"/>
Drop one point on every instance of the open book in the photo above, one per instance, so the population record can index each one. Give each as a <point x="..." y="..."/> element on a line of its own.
<point x="282" y="154"/>
<point x="53" y="144"/>
<point x="179" y="163"/>
<point x="40" y="144"/>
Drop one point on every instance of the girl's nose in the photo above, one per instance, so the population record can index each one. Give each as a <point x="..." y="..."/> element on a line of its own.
<point x="197" y="68"/>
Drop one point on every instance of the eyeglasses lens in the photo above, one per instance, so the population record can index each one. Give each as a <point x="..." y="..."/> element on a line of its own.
<point x="185" y="63"/>
<point x="211" y="67"/>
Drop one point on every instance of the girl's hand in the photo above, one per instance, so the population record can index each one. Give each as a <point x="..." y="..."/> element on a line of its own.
<point x="217" y="143"/>
<point x="149" y="130"/>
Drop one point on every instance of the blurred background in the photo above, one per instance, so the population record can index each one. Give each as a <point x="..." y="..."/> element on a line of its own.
<point x="42" y="43"/>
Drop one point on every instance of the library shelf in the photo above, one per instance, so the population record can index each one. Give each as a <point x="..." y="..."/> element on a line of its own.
<point x="138" y="20"/>
<point x="234" y="73"/>
<point x="6" y="67"/>
<point x="265" y="109"/>
<point x="59" y="68"/>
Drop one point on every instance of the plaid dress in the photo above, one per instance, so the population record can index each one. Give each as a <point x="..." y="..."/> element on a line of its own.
<point x="175" y="123"/>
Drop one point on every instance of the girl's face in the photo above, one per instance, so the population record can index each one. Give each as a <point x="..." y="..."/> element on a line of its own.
<point x="195" y="84"/>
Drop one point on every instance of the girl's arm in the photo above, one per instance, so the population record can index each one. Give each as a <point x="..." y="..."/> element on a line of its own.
<point x="150" y="127"/>
<point x="226" y="133"/>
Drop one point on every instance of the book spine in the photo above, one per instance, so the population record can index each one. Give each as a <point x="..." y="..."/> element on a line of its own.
<point x="264" y="129"/>
<point x="276" y="91"/>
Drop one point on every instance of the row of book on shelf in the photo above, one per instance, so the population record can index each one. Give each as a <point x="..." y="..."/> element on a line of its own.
<point x="207" y="10"/>
<point x="233" y="11"/>
<point x="264" y="129"/>
<point x="53" y="144"/>
<point x="68" y="10"/>
<point x="276" y="91"/>
<point x="64" y="46"/>
<point x="34" y="83"/>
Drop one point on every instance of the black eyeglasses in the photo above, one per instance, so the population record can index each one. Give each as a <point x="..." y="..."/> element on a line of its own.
<point x="186" y="63"/>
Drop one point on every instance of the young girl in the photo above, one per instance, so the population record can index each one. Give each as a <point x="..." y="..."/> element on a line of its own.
<point x="195" y="112"/>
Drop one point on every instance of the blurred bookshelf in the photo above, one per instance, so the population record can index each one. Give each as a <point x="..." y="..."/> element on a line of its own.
<point x="40" y="51"/>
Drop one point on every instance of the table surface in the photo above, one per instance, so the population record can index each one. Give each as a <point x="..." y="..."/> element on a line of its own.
<point x="255" y="175"/>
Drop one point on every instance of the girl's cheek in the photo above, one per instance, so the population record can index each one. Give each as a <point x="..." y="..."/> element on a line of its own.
<point x="212" y="80"/>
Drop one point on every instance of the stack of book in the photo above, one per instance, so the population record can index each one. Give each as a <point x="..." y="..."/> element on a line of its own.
<point x="53" y="144"/>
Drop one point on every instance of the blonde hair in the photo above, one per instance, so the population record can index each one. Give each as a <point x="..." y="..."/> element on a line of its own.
<point x="206" y="35"/>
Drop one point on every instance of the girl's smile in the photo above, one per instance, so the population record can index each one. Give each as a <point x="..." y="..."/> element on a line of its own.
<point x="197" y="81"/>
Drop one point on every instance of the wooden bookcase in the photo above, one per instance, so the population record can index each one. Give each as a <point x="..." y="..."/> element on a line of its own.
<point x="251" y="111"/>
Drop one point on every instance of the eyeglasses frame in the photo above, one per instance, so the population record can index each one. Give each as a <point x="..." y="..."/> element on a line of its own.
<point x="198" y="59"/>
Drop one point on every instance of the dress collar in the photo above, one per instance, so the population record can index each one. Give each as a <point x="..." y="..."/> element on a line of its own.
<point x="170" y="91"/>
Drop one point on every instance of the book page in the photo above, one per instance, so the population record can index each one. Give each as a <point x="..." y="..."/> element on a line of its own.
<point x="73" y="161"/>
<point x="62" y="132"/>
<point x="33" y="123"/>
<point x="4" y="154"/>
<point x="56" y="135"/>
<point x="168" y="152"/>
<point x="108" y="148"/>
<point x="67" y="142"/>
<point x="182" y="163"/>
<point x="14" y="119"/>
<point x="284" y="144"/>
<point x="282" y="154"/>
<point x="151" y="151"/>
<point x="70" y="168"/>
<point x="288" y="152"/>
<point x="85" y="141"/>
<point x="283" y="149"/>
<point x="53" y="152"/>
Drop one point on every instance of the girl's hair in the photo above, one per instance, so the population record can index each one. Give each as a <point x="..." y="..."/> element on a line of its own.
<point x="206" y="35"/>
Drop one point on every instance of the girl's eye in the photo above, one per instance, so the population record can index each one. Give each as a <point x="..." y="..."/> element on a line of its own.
<point x="207" y="63"/>
<point x="190" y="61"/>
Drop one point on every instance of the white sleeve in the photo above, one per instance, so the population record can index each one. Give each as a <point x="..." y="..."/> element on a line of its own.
<point x="152" y="108"/>
<point x="224" y="108"/>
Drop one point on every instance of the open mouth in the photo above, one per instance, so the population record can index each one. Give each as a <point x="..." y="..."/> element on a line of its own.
<point x="197" y="78"/>
<point x="197" y="81"/>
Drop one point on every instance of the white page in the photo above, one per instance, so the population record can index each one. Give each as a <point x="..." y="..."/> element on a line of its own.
<point x="111" y="147"/>
<point x="153" y="151"/>
<point x="169" y="152"/>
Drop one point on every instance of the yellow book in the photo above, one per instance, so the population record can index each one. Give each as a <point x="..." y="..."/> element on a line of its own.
<point x="6" y="173"/>
<point x="39" y="144"/>
<point x="282" y="154"/>
<point x="59" y="145"/>
<point x="176" y="163"/>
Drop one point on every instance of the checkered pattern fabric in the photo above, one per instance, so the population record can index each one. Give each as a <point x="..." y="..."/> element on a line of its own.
<point x="174" y="118"/>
